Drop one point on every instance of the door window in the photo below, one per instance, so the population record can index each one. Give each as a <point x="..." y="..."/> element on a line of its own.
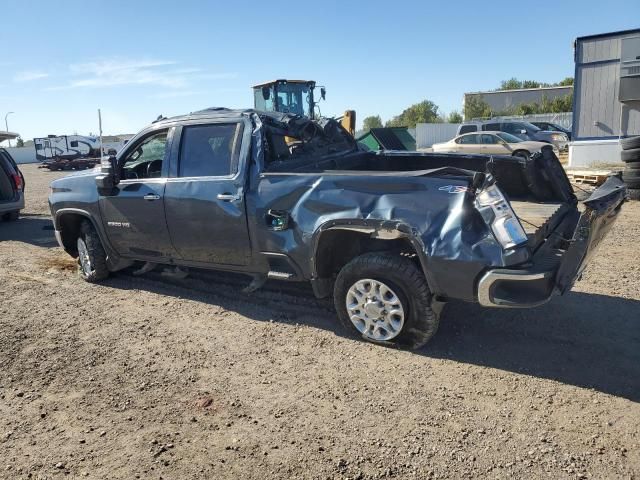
<point x="491" y="127"/>
<point x="468" y="140"/>
<point x="490" y="139"/>
<point x="210" y="150"/>
<point x="145" y="160"/>
<point x="514" y="128"/>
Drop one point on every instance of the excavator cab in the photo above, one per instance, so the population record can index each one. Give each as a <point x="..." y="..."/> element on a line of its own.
<point x="287" y="96"/>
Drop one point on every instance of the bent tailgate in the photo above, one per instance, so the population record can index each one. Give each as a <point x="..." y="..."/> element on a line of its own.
<point x="601" y="210"/>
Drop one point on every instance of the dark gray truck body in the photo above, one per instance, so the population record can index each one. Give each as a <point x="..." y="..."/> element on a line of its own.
<point x="303" y="217"/>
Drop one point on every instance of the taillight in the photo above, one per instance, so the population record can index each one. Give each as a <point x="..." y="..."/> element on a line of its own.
<point x="18" y="181"/>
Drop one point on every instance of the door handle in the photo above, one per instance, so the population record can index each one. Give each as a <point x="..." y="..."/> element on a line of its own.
<point x="151" y="196"/>
<point x="228" y="197"/>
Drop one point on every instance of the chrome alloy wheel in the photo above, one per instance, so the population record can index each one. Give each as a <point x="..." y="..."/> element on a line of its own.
<point x="375" y="309"/>
<point x="83" y="257"/>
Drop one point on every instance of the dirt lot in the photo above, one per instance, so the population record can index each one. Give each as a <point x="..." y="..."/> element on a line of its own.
<point x="149" y="378"/>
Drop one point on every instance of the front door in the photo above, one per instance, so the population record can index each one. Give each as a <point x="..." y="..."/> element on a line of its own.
<point x="204" y="203"/>
<point x="493" y="145"/>
<point x="133" y="214"/>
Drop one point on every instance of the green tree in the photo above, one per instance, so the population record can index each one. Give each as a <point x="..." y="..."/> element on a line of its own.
<point x="374" y="121"/>
<point x="511" y="84"/>
<point x="454" y="117"/>
<point x="567" y="81"/>
<point x="423" y="112"/>
<point x="476" y="107"/>
<point x="19" y="142"/>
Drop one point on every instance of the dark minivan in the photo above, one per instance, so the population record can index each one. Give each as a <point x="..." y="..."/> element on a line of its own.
<point x="11" y="187"/>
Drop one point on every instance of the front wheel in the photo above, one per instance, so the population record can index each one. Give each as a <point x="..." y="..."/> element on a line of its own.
<point x="385" y="299"/>
<point x="92" y="259"/>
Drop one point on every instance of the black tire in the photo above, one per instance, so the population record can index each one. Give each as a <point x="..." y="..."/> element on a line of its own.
<point x="629" y="143"/>
<point x="630" y="155"/>
<point x="632" y="166"/>
<point x="11" y="216"/>
<point x="406" y="280"/>
<point x="92" y="259"/>
<point x="631" y="178"/>
<point x="634" y="193"/>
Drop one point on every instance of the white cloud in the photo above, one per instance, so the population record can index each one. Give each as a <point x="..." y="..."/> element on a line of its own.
<point x="29" y="76"/>
<point x="120" y="72"/>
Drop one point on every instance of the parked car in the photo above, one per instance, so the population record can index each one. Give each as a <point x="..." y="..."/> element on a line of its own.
<point x="391" y="235"/>
<point x="11" y="187"/>
<point x="523" y="130"/>
<point x="491" y="143"/>
<point x="553" y="127"/>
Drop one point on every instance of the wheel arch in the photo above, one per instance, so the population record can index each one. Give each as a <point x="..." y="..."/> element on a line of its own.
<point x="356" y="237"/>
<point x="67" y="222"/>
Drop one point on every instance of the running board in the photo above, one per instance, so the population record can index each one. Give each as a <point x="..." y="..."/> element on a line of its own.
<point x="279" y="275"/>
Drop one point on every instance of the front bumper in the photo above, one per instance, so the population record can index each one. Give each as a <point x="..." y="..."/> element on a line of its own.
<point x="554" y="269"/>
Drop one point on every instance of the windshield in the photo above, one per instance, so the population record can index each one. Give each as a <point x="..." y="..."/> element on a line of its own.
<point x="294" y="98"/>
<point x="531" y="126"/>
<point x="507" y="137"/>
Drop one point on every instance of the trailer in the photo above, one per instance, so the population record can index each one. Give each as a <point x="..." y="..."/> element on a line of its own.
<point x="66" y="147"/>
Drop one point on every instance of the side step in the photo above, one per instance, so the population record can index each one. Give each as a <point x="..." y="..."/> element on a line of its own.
<point x="279" y="275"/>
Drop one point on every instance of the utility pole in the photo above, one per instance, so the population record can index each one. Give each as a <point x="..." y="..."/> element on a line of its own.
<point x="6" y="124"/>
<point x="100" y="128"/>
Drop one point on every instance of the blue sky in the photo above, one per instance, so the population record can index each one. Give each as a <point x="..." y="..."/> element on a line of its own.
<point x="62" y="60"/>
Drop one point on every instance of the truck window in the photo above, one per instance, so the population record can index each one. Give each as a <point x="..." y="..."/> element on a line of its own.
<point x="467" y="129"/>
<point x="210" y="150"/>
<point x="145" y="161"/>
<point x="491" y="127"/>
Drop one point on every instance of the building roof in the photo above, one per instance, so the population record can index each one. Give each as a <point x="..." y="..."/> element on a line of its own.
<point x="610" y="34"/>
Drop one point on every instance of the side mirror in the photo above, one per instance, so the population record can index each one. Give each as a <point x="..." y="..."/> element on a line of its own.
<point x="323" y="93"/>
<point x="108" y="178"/>
<point x="266" y="93"/>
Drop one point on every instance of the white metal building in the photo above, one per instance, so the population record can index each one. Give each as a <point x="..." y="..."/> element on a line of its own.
<point x="606" y="103"/>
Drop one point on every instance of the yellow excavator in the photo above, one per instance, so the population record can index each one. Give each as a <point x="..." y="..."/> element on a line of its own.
<point x="296" y="96"/>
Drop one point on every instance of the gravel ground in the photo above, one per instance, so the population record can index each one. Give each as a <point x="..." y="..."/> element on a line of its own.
<point x="150" y="378"/>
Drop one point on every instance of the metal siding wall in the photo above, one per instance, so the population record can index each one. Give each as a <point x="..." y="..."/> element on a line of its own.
<point x="597" y="110"/>
<point x="429" y="133"/>
<point x="599" y="49"/>
<point x="564" y="119"/>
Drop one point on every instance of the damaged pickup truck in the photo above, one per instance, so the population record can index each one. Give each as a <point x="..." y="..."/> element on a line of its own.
<point x="391" y="235"/>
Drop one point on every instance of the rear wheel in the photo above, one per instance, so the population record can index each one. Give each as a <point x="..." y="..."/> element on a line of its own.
<point x="92" y="259"/>
<point x="385" y="299"/>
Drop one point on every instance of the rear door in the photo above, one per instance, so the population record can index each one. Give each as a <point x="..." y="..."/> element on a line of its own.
<point x="469" y="143"/>
<point x="133" y="214"/>
<point x="204" y="199"/>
